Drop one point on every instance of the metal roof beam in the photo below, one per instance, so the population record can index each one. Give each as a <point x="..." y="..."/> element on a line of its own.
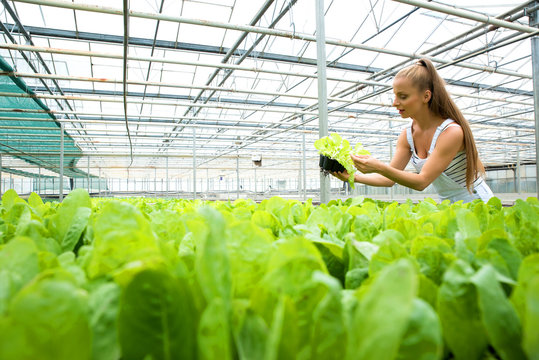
<point x="471" y="15"/>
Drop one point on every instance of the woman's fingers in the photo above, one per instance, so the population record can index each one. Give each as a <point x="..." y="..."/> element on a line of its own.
<point x="363" y="163"/>
<point x="340" y="175"/>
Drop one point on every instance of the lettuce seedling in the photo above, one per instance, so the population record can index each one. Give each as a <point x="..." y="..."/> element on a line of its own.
<point x="337" y="148"/>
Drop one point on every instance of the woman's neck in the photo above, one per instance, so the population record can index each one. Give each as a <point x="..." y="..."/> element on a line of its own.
<point x="427" y="120"/>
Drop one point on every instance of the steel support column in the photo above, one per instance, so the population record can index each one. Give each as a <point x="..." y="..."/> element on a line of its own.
<point x="517" y="175"/>
<point x="237" y="173"/>
<point x="88" y="173"/>
<point x="322" y="91"/>
<point x="166" y="175"/>
<point x="194" y="164"/>
<point x="304" y="166"/>
<point x="534" y="18"/>
<point x="391" y="189"/>
<point x="61" y="185"/>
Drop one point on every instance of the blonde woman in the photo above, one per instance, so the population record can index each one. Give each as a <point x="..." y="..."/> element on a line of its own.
<point x="438" y="141"/>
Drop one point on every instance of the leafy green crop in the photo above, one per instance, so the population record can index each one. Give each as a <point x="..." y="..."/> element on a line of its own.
<point x="337" y="148"/>
<point x="102" y="279"/>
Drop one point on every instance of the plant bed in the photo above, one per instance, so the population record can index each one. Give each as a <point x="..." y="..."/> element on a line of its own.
<point x="157" y="279"/>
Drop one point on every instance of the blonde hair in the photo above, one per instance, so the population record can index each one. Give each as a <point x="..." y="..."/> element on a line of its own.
<point x="424" y="76"/>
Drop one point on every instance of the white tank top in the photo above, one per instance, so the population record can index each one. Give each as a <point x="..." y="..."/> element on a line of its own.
<point x="451" y="184"/>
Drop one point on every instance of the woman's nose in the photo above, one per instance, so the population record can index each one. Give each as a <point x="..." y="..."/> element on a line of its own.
<point x="395" y="102"/>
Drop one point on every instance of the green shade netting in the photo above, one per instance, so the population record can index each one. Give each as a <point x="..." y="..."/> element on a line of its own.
<point x="36" y="142"/>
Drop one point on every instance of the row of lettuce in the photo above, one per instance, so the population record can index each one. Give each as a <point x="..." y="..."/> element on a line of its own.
<point x="178" y="279"/>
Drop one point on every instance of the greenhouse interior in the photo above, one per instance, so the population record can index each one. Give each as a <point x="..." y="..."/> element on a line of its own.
<point x="172" y="180"/>
<point x="220" y="99"/>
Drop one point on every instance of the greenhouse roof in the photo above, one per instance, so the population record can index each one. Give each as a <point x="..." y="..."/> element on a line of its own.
<point x="226" y="78"/>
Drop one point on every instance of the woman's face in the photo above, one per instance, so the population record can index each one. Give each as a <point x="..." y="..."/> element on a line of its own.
<point x="408" y="99"/>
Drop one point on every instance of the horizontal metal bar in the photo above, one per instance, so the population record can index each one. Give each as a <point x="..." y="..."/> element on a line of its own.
<point x="233" y="124"/>
<point x="470" y="15"/>
<point x="163" y="84"/>
<point x="155" y="59"/>
<point x="96" y="142"/>
<point x="136" y="116"/>
<point x="188" y="156"/>
<point x="493" y="116"/>
<point x="134" y="167"/>
<point x="490" y="98"/>
<point x="143" y="134"/>
<point x="373" y="83"/>
<point x="263" y="125"/>
<point x="262" y="108"/>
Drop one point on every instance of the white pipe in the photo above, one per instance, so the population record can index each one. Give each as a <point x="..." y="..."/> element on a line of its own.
<point x="534" y="18"/>
<point x="194" y="165"/>
<point x="138" y="115"/>
<point x="164" y="84"/>
<point x="220" y="106"/>
<point x="292" y="128"/>
<point x="48" y="50"/>
<point x="61" y="186"/>
<point x="322" y="91"/>
<point x="286" y="141"/>
<point x="166" y="175"/>
<point x="304" y="166"/>
<point x="467" y="14"/>
<point x="237" y="173"/>
<point x="158" y="141"/>
<point x="88" y="173"/>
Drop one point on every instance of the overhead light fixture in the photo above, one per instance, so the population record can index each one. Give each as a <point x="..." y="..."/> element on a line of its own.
<point x="257" y="159"/>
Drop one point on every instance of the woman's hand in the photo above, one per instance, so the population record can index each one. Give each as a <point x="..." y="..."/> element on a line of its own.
<point x="367" y="164"/>
<point x="343" y="175"/>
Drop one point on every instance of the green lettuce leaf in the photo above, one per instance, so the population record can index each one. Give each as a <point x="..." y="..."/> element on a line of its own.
<point x="157" y="318"/>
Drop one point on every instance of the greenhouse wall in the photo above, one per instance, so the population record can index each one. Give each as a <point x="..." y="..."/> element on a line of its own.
<point x="51" y="185"/>
<point x="226" y="187"/>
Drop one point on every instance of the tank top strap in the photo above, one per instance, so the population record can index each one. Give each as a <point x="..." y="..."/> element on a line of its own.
<point x="410" y="138"/>
<point x="438" y="131"/>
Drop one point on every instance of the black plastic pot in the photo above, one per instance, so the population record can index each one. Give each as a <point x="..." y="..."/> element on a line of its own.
<point x="329" y="164"/>
<point x="337" y="167"/>
<point x="325" y="163"/>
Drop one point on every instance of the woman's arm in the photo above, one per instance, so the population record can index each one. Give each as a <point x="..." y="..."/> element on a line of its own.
<point x="447" y="146"/>
<point x="399" y="161"/>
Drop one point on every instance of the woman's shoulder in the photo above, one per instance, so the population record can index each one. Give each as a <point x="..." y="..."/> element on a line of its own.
<point x="450" y="123"/>
<point x="452" y="133"/>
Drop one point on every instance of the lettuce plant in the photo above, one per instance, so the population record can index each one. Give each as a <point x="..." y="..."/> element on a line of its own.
<point x="337" y="148"/>
<point x="143" y="278"/>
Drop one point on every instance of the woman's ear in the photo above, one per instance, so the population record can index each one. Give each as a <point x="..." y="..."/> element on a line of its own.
<point x="427" y="96"/>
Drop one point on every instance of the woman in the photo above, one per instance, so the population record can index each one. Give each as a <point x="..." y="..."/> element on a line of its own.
<point x="439" y="142"/>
